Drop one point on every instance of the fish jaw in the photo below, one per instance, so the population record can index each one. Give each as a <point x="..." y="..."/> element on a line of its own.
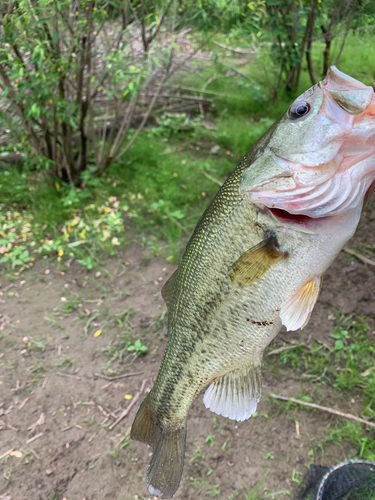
<point x="317" y="174"/>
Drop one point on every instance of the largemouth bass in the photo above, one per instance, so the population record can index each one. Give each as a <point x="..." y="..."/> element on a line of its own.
<point x="255" y="262"/>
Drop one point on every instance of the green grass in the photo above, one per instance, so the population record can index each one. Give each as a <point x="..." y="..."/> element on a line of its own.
<point x="159" y="187"/>
<point x="346" y="365"/>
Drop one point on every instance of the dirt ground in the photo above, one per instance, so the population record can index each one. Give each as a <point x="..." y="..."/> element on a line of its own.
<point x="56" y="412"/>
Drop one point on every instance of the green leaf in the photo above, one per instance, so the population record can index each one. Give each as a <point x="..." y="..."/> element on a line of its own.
<point x="339" y="344"/>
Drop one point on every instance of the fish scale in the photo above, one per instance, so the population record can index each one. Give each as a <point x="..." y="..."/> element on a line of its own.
<point x="249" y="268"/>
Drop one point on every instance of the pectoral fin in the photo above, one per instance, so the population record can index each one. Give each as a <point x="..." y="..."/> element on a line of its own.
<point x="167" y="289"/>
<point x="236" y="394"/>
<point x="295" y="313"/>
<point x="254" y="263"/>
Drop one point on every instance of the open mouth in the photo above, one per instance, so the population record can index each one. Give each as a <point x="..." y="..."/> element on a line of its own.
<point x="286" y="217"/>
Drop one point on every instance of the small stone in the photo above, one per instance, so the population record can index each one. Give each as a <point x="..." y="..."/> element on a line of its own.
<point x="215" y="149"/>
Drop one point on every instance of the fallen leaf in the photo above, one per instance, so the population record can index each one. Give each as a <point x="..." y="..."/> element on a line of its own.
<point x="16" y="454"/>
<point x="97" y="333"/>
<point x="368" y="371"/>
<point x="128" y="396"/>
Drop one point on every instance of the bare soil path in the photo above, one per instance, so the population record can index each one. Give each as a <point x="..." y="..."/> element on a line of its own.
<point x="56" y="413"/>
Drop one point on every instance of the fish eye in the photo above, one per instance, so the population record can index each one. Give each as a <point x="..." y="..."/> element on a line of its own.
<point x="299" y="109"/>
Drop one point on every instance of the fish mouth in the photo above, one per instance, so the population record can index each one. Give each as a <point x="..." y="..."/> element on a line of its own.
<point x="291" y="219"/>
<point x="296" y="222"/>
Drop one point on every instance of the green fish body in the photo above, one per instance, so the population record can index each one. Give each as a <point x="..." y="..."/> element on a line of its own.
<point x="247" y="269"/>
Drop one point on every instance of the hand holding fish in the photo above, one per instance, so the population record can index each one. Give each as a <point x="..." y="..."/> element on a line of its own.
<point x="255" y="262"/>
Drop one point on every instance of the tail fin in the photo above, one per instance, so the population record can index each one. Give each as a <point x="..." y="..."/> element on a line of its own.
<point x="165" y="468"/>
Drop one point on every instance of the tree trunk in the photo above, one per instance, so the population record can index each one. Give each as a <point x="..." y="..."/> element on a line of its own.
<point x="309" y="40"/>
<point x="326" y="55"/>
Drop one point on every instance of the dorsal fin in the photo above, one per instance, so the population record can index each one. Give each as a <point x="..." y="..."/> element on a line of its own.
<point x="295" y="312"/>
<point x="254" y="263"/>
<point x="236" y="394"/>
<point x="167" y="289"/>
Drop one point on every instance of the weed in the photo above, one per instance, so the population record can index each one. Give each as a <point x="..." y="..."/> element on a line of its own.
<point x="196" y="459"/>
<point x="126" y="442"/>
<point x="224" y="446"/>
<point x="137" y="348"/>
<point x="113" y="454"/>
<point x="159" y="325"/>
<point x="122" y="318"/>
<point x="250" y="495"/>
<point x="36" y="370"/>
<point x="54" y="322"/>
<point x="215" y="490"/>
<point x="210" y="440"/>
<point x="8" y="476"/>
<point x="352" y="355"/>
<point x="89" y="420"/>
<point x="65" y="362"/>
<point x="28" y="458"/>
<point x="70" y="304"/>
<point x="364" y="443"/>
<point x="123" y="350"/>
<point x="37" y="344"/>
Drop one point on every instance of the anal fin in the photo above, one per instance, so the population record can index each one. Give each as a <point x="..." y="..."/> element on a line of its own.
<point x="295" y="312"/>
<point x="236" y="394"/>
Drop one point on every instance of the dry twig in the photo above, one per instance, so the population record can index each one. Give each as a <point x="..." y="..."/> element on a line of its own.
<point x="67" y="428"/>
<point x="281" y="349"/>
<point x="213" y="179"/>
<point x="41" y="420"/>
<point x="10" y="426"/>
<point x="116" y="377"/>
<point x="92" y="437"/>
<point x="6" y="453"/>
<point x="23" y="403"/>
<point x="34" y="453"/>
<point x="34" y="438"/>
<point x="67" y="375"/>
<point x="359" y="256"/>
<point x="325" y="408"/>
<point x="126" y="411"/>
<point x="238" y="50"/>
